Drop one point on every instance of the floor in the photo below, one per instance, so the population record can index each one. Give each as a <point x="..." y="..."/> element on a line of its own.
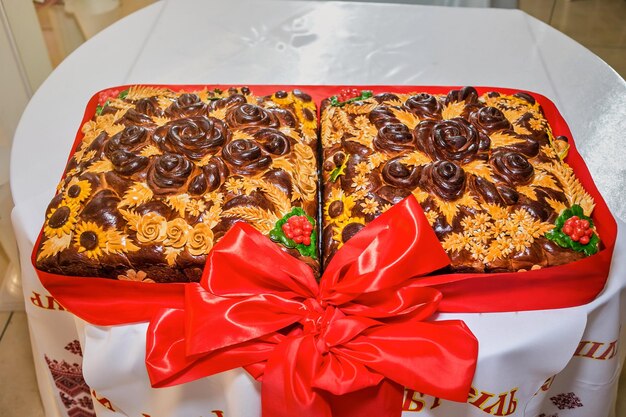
<point x="600" y="25"/>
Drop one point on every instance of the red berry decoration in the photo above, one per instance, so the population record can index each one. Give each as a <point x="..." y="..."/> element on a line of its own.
<point x="578" y="230"/>
<point x="575" y="230"/>
<point x="107" y="95"/>
<point x="298" y="229"/>
<point x="348" y="93"/>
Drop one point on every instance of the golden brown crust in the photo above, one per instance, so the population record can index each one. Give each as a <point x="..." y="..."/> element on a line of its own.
<point x="161" y="175"/>
<point x="485" y="169"/>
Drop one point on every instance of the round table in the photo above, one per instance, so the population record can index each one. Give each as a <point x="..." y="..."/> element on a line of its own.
<point x="294" y="42"/>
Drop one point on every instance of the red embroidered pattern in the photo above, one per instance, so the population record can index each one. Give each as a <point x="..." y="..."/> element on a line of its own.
<point x="563" y="401"/>
<point x="73" y="390"/>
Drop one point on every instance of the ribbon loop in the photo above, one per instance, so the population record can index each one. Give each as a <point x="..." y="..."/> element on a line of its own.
<point x="361" y="330"/>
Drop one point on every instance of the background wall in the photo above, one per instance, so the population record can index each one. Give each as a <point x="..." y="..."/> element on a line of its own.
<point x="25" y="65"/>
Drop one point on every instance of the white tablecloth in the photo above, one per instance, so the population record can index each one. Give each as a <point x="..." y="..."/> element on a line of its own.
<point x="282" y="42"/>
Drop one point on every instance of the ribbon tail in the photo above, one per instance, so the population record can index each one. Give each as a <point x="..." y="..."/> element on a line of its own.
<point x="382" y="400"/>
<point x="168" y="364"/>
<point x="287" y="390"/>
<point x="436" y="358"/>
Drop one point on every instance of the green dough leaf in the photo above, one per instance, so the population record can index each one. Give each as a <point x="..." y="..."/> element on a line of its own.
<point x="99" y="108"/>
<point x="339" y="171"/>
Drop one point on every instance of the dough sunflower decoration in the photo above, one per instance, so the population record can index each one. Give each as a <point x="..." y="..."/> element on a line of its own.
<point x="283" y="98"/>
<point x="338" y="206"/>
<point x="77" y="191"/>
<point x="345" y="228"/>
<point x="308" y="118"/>
<point x="90" y="239"/>
<point x="304" y="109"/>
<point x="61" y="220"/>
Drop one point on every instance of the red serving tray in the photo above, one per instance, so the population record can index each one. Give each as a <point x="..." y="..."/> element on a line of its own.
<point x="106" y="302"/>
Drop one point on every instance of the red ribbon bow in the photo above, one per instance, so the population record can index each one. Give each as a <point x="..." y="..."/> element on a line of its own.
<point x="345" y="347"/>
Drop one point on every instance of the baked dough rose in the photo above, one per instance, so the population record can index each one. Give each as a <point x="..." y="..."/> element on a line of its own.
<point x="493" y="194"/>
<point x="451" y="140"/>
<point x="200" y="240"/>
<point x="444" y="179"/>
<point x="398" y="174"/>
<point x="187" y="105"/>
<point x="128" y="139"/>
<point x="424" y="105"/>
<point x="250" y="115"/>
<point x="245" y="157"/>
<point x="149" y="107"/>
<point x="394" y="137"/>
<point x="127" y="163"/>
<point x="194" y="137"/>
<point x="232" y="100"/>
<point x="134" y="117"/>
<point x="382" y="115"/>
<point x="513" y="167"/>
<point x="177" y="233"/>
<point x="273" y="141"/>
<point x="120" y="150"/>
<point x="151" y="228"/>
<point x="168" y="173"/>
<point x="489" y="119"/>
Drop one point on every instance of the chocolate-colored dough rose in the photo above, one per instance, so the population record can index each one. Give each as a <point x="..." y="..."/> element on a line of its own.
<point x="512" y="167"/>
<point x="450" y="140"/>
<point x="186" y="105"/>
<point x="128" y="139"/>
<point x="399" y="174"/>
<point x="425" y="106"/>
<point x="444" y="179"/>
<point x="394" y="137"/>
<point x="489" y="119"/>
<point x="250" y="115"/>
<point x="194" y="137"/>
<point x="245" y="157"/>
<point x="168" y="173"/>
<point x="273" y="141"/>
